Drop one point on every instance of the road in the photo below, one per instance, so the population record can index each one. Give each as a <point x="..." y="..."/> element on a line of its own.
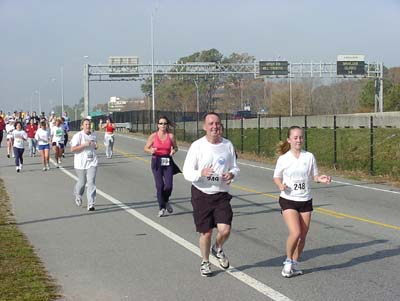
<point x="123" y="251"/>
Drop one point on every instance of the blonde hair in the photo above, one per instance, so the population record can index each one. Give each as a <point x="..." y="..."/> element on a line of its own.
<point x="283" y="146"/>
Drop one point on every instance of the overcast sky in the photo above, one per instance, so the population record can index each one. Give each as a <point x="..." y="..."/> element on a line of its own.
<point x="39" y="37"/>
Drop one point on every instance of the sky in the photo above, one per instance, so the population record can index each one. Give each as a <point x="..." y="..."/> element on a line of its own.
<point x="42" y="39"/>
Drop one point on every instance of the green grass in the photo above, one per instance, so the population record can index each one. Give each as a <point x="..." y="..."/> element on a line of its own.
<point x="22" y="275"/>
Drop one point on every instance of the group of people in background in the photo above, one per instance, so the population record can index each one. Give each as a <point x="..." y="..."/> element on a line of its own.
<point x="210" y="166"/>
<point x="39" y="131"/>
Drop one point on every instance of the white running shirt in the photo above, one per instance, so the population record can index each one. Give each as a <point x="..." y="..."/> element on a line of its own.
<point x="19" y="137"/>
<point x="203" y="154"/>
<point x="296" y="173"/>
<point x="87" y="157"/>
<point x="42" y="136"/>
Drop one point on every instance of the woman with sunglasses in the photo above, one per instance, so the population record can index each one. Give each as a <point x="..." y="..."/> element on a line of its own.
<point x="162" y="146"/>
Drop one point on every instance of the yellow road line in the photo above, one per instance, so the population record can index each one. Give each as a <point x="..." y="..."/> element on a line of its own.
<point x="324" y="211"/>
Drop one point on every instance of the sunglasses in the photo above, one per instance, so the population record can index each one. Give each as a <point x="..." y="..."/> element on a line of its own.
<point x="162" y="123"/>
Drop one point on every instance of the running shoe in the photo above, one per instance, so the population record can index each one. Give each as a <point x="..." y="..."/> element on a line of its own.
<point x="169" y="208"/>
<point x="78" y="201"/>
<point x="44" y="168"/>
<point x="47" y="167"/>
<point x="287" y="270"/>
<point x="8" y="155"/>
<point x="220" y="255"/>
<point x="17" y="169"/>
<point x="205" y="269"/>
<point x="91" y="208"/>
<point x="161" y="212"/>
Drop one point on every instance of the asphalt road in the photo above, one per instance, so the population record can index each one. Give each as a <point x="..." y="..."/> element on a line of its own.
<point x="123" y="251"/>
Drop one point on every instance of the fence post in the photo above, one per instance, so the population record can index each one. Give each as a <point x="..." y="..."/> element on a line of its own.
<point x="371" y="147"/>
<point x="280" y="127"/>
<point x="334" y="142"/>
<point x="197" y="125"/>
<point x="241" y="135"/>
<point x="305" y="133"/>
<point x="184" y="126"/>
<point x="259" y="135"/>
<point x="143" y="121"/>
<point x="137" y="121"/>
<point x="226" y="126"/>
<point x="174" y="122"/>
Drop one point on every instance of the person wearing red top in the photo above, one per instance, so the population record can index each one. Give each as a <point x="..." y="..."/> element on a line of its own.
<point x="109" y="139"/>
<point x="31" y="129"/>
<point x="162" y="146"/>
<point x="2" y="127"/>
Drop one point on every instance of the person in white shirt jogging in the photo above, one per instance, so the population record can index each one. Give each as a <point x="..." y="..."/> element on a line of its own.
<point x="19" y="137"/>
<point x="42" y="137"/>
<point x="294" y="171"/>
<point x="57" y="139"/>
<point x="211" y="166"/>
<point x="84" y="145"/>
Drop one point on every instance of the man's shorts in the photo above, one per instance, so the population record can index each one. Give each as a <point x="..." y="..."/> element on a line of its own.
<point x="60" y="145"/>
<point x="298" y="206"/>
<point x="42" y="147"/>
<point x="211" y="209"/>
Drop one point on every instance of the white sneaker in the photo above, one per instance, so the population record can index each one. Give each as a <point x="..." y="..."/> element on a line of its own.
<point x="78" y="201"/>
<point x="287" y="271"/>
<point x="47" y="167"/>
<point x="220" y="255"/>
<point x="44" y="168"/>
<point x="205" y="269"/>
<point x="161" y="212"/>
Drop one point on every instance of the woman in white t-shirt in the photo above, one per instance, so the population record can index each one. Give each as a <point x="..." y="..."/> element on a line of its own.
<point x="19" y="136"/>
<point x="57" y="139"/>
<point x="294" y="171"/>
<point x="84" y="145"/>
<point x="42" y="137"/>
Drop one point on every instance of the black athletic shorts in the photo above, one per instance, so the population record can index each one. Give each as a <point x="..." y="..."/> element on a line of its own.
<point x="298" y="206"/>
<point x="211" y="209"/>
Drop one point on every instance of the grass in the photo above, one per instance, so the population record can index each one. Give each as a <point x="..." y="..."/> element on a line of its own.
<point x="22" y="275"/>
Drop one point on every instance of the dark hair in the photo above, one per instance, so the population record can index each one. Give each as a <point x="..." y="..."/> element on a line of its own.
<point x="43" y="123"/>
<point x="283" y="146"/>
<point x="210" y="113"/>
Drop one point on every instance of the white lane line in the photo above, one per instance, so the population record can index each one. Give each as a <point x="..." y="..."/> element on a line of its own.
<point x="246" y="279"/>
<point x="271" y="169"/>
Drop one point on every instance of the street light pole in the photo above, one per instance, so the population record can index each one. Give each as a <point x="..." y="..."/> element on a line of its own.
<point x="152" y="71"/>
<point x="62" y="90"/>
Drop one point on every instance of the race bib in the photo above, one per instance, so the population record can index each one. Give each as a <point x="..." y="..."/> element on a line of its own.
<point x="214" y="179"/>
<point x="165" y="161"/>
<point x="90" y="155"/>
<point x="299" y="187"/>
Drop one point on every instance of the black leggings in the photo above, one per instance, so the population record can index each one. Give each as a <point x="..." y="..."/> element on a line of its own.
<point x="18" y="152"/>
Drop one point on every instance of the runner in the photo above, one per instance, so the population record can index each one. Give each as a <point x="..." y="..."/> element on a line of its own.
<point x="211" y="166"/>
<point x="294" y="171"/>
<point x="84" y="145"/>
<point x="57" y="139"/>
<point x="31" y="129"/>
<point x="9" y="137"/>
<point x="162" y="145"/>
<point x="2" y="126"/>
<point x="42" y="137"/>
<point x="109" y="139"/>
<point x="19" y="136"/>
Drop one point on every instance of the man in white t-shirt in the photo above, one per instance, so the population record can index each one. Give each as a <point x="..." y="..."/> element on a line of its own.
<point x="210" y="165"/>
<point x="84" y="145"/>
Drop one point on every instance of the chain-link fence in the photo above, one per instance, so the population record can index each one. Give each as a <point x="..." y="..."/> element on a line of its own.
<point x="360" y="143"/>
